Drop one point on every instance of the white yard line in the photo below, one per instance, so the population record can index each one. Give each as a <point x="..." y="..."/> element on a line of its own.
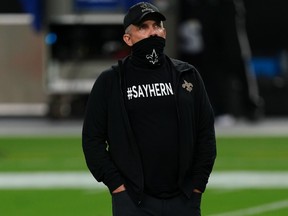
<point x="223" y="180"/>
<point x="45" y="180"/>
<point x="248" y="179"/>
<point x="218" y="180"/>
<point x="257" y="209"/>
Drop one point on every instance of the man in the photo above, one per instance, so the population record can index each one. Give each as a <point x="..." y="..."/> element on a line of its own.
<point x="148" y="133"/>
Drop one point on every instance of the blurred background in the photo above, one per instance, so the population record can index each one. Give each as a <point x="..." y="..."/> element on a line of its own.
<point x="52" y="51"/>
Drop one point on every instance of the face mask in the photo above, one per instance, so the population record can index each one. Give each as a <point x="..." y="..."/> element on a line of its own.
<point x="149" y="52"/>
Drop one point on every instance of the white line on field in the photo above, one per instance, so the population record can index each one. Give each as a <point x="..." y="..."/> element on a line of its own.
<point x="223" y="180"/>
<point x="248" y="179"/>
<point x="257" y="209"/>
<point x="48" y="180"/>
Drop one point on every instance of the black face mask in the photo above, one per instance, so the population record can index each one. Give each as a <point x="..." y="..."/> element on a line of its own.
<point x="149" y="52"/>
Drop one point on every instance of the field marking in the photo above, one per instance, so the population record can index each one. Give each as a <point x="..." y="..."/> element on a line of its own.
<point x="47" y="180"/>
<point x="257" y="209"/>
<point x="222" y="180"/>
<point x="248" y="179"/>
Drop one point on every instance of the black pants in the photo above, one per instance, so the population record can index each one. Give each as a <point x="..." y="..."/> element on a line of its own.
<point x="178" y="206"/>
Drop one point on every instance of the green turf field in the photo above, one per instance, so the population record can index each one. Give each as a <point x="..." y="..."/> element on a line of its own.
<point x="59" y="154"/>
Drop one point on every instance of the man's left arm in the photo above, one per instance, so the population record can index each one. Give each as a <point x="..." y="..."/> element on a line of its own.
<point x="205" y="138"/>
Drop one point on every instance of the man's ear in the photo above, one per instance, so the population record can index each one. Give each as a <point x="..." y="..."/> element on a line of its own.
<point x="127" y="39"/>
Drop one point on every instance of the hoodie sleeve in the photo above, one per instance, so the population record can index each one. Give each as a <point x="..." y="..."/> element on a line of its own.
<point x="205" y="138"/>
<point x="94" y="137"/>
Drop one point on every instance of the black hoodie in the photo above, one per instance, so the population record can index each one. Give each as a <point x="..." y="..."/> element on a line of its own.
<point x="109" y="146"/>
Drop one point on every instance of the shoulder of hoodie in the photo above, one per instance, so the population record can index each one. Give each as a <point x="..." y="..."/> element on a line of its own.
<point x="110" y="73"/>
<point x="114" y="69"/>
<point x="182" y="66"/>
<point x="186" y="69"/>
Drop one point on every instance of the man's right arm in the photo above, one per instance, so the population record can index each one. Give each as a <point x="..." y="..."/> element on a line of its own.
<point x="94" y="138"/>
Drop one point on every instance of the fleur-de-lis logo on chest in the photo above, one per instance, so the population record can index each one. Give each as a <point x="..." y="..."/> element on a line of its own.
<point x="188" y="86"/>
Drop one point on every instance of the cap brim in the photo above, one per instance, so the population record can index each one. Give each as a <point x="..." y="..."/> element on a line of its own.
<point x="150" y="15"/>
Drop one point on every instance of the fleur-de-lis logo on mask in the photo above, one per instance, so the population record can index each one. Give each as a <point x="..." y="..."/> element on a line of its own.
<point x="153" y="57"/>
<point x="188" y="86"/>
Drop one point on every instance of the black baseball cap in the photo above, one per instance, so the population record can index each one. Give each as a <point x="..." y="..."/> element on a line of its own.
<point x="137" y="12"/>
